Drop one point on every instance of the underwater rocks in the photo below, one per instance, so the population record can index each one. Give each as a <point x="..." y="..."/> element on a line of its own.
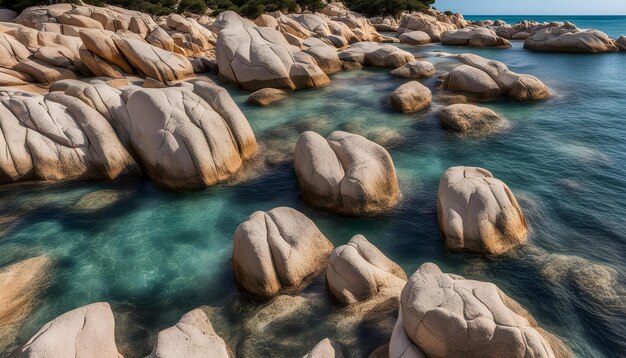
<point x="488" y="79"/>
<point x="479" y="37"/>
<point x="375" y="54"/>
<point x="467" y="118"/>
<point x="21" y="285"/>
<point x="345" y="173"/>
<point x="278" y="250"/>
<point x="358" y="271"/>
<point x="85" y="332"/>
<point x="411" y="97"/>
<point x="570" y="39"/>
<point x="259" y="57"/>
<point x="193" y="336"/>
<point x="445" y="315"/>
<point x="267" y="96"/>
<point x="57" y="137"/>
<point x="325" y="349"/>
<point x="415" y="70"/>
<point x="478" y="212"/>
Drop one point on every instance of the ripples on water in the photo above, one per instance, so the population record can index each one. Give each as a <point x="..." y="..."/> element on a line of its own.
<point x="154" y="255"/>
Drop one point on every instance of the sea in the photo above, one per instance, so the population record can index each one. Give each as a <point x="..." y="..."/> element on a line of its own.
<point x="155" y="254"/>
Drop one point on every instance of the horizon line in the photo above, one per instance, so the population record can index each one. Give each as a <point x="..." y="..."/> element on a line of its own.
<point x="613" y="15"/>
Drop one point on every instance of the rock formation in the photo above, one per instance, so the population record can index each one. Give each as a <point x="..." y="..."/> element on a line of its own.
<point x="325" y="349"/>
<point x="345" y="173"/>
<point x="474" y="37"/>
<point x="489" y="79"/>
<point x="568" y="39"/>
<point x="374" y="54"/>
<point x="445" y="315"/>
<point x="193" y="336"/>
<point x="85" y="332"/>
<point x="267" y="96"/>
<point x="478" y="212"/>
<point x="467" y="118"/>
<point x="415" y="70"/>
<point x="278" y="250"/>
<point x="358" y="271"/>
<point x="411" y="97"/>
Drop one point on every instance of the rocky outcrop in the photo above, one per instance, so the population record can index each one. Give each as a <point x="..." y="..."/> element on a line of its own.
<point x="479" y="37"/>
<point x="570" y="39"/>
<point x="325" y="56"/>
<point x="358" y="271"/>
<point x="193" y="336"/>
<point x="85" y="332"/>
<point x="429" y="24"/>
<point x="414" y="38"/>
<point x="57" y="137"/>
<point x="445" y="315"/>
<point x="278" y="250"/>
<point x="621" y="43"/>
<point x="411" y="97"/>
<point x="489" y="79"/>
<point x="345" y="173"/>
<point x="21" y="285"/>
<point x="185" y="137"/>
<point x="478" y="212"/>
<point x="374" y="54"/>
<point x="325" y="349"/>
<point x="267" y="96"/>
<point x="415" y="70"/>
<point x="260" y="57"/>
<point x="468" y="118"/>
<point x="384" y="23"/>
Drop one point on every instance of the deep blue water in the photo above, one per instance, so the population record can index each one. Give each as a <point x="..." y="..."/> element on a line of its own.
<point x="155" y="255"/>
<point x="614" y="26"/>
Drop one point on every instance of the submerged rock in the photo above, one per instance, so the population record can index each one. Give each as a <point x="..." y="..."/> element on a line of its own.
<point x="478" y="212"/>
<point x="358" y="271"/>
<point x="445" y="315"/>
<point x="345" y="173"/>
<point x="415" y="70"/>
<point x="468" y="118"/>
<point x="85" y="332"/>
<point x="325" y="349"/>
<point x="411" y="97"/>
<point x="267" y="96"/>
<point x="21" y="285"/>
<point x="98" y="200"/>
<point x="278" y="250"/>
<point x="193" y="336"/>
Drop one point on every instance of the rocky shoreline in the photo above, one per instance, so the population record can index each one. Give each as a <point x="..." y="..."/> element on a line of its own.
<point x="102" y="92"/>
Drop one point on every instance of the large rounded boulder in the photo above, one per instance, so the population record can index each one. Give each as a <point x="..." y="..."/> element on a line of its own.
<point x="445" y="315"/>
<point x="278" y="250"/>
<point x="468" y="118"/>
<point x="570" y="39"/>
<point x="359" y="271"/>
<point x="478" y="212"/>
<point x="85" y="332"/>
<point x="479" y="37"/>
<point x="193" y="336"/>
<point x="411" y="97"/>
<point x="345" y="173"/>
<point x="415" y="70"/>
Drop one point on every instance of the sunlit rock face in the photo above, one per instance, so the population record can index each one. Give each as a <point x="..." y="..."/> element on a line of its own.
<point x="479" y="37"/>
<point x="359" y="271"/>
<point x="471" y="119"/>
<point x="346" y="173"/>
<point x="568" y="38"/>
<point x="57" y="137"/>
<point x="87" y="331"/>
<point x="488" y="79"/>
<point x="193" y="336"/>
<point x="278" y="250"/>
<point x="445" y="315"/>
<point x="478" y="212"/>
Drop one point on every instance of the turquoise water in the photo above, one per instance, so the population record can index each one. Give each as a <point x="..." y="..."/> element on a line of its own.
<point x="154" y="254"/>
<point x="614" y="26"/>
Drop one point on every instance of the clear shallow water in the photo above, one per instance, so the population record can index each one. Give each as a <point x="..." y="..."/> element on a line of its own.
<point x="614" y="26"/>
<point x="155" y="255"/>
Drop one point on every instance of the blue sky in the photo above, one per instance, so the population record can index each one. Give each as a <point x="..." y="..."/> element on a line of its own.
<point x="534" y="7"/>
